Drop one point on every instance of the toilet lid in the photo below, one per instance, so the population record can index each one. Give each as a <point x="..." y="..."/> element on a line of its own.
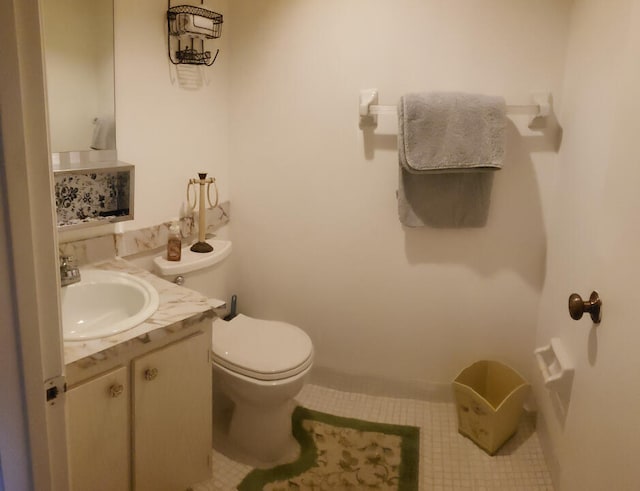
<point x="266" y="350"/>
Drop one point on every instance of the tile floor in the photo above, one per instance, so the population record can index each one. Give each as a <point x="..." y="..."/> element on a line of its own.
<point x="448" y="460"/>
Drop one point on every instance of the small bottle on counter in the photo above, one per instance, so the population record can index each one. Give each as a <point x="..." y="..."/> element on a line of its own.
<point x="174" y="243"/>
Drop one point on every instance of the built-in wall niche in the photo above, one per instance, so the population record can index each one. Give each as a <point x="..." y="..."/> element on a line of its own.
<point x="93" y="194"/>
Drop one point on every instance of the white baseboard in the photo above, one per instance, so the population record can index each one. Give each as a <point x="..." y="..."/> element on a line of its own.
<point x="377" y="386"/>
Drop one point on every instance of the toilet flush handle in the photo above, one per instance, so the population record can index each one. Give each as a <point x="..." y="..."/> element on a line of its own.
<point x="593" y="306"/>
<point x="179" y="280"/>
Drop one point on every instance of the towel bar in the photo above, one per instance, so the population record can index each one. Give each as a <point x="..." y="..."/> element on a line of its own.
<point x="369" y="108"/>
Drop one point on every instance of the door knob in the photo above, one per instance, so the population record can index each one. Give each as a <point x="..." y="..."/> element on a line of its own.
<point x="150" y="373"/>
<point x="593" y="306"/>
<point x="116" y="390"/>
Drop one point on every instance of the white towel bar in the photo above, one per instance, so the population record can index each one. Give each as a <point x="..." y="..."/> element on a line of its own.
<point x="540" y="108"/>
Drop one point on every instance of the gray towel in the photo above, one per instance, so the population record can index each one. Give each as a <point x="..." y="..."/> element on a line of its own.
<point x="451" y="200"/>
<point x="446" y="143"/>
<point x="450" y="132"/>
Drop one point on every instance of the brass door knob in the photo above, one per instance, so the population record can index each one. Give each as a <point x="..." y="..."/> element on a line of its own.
<point x="593" y="306"/>
<point x="116" y="390"/>
<point x="150" y="373"/>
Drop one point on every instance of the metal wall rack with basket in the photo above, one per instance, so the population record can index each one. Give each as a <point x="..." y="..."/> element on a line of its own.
<point x="188" y="28"/>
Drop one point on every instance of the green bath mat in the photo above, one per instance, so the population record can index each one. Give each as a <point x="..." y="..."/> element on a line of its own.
<point x="344" y="453"/>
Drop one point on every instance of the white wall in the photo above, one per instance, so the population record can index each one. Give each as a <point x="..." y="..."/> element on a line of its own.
<point x="317" y="239"/>
<point x="594" y="238"/>
<point x="171" y="123"/>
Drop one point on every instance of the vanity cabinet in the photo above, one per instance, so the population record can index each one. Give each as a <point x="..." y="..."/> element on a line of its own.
<point x="146" y="424"/>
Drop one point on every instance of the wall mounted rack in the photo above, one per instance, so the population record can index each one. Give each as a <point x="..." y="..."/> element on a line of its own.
<point x="188" y="28"/>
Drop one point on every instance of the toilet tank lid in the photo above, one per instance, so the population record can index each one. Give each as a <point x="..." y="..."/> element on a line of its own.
<point x="261" y="346"/>
<point x="193" y="261"/>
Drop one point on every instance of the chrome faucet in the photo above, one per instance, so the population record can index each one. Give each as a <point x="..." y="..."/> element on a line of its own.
<point x="69" y="271"/>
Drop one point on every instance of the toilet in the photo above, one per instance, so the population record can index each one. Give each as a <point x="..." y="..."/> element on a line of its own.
<point x="258" y="365"/>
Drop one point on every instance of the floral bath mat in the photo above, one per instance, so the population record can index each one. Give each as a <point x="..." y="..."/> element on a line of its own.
<point x="344" y="454"/>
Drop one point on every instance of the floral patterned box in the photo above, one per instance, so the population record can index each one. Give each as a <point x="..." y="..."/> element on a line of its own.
<point x="91" y="195"/>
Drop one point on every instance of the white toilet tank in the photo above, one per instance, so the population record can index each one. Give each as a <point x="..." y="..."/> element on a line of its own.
<point x="208" y="273"/>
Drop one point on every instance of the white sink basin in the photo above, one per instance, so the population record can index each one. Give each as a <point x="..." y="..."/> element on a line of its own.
<point x="105" y="303"/>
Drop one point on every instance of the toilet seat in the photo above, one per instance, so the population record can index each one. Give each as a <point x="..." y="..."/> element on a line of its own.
<point x="260" y="349"/>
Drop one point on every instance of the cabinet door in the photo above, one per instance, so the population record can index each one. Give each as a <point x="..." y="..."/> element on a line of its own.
<point x="172" y="415"/>
<point x="98" y="433"/>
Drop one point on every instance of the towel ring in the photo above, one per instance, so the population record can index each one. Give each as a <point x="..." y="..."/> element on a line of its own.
<point x="195" y="199"/>
<point x="192" y="206"/>
<point x="215" y="186"/>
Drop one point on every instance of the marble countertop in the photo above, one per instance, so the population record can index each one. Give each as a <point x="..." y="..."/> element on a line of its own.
<point x="179" y="308"/>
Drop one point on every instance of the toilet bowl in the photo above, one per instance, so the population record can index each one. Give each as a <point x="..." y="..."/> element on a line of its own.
<point x="258" y="365"/>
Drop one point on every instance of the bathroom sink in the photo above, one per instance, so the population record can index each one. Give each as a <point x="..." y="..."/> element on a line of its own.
<point x="105" y="303"/>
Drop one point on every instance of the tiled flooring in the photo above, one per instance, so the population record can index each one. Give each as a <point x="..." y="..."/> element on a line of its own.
<point x="448" y="460"/>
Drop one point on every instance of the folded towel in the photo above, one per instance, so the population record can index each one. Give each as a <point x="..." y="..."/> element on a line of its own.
<point x="103" y="137"/>
<point x="451" y="200"/>
<point x="445" y="143"/>
<point x="448" y="132"/>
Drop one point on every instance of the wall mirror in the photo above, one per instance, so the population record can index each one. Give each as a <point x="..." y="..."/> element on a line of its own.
<point x="91" y="186"/>
<point x="78" y="49"/>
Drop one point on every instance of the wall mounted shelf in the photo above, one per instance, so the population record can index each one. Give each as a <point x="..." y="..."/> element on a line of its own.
<point x="95" y="193"/>
<point x="188" y="27"/>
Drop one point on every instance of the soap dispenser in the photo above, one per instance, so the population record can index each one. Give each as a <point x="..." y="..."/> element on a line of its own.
<point x="174" y="243"/>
